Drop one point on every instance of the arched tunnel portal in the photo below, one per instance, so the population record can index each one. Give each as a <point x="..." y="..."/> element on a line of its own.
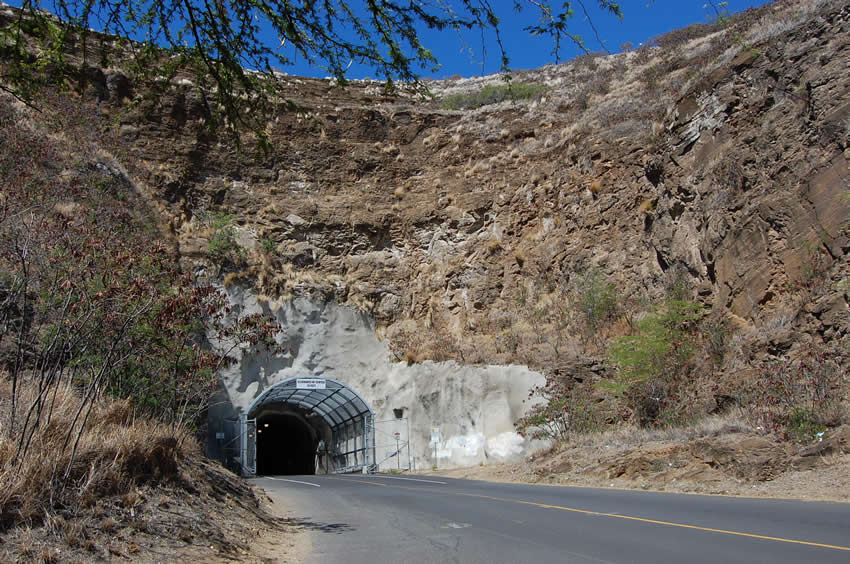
<point x="287" y="439"/>
<point x="308" y="426"/>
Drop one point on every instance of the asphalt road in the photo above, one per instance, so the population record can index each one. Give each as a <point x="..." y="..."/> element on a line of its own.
<point x="375" y="519"/>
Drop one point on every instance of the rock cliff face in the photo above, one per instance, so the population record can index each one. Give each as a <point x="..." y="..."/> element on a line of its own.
<point x="723" y="157"/>
<point x="717" y="162"/>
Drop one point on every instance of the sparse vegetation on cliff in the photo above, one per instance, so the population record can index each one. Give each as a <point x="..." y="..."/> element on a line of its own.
<point x="654" y="364"/>
<point x="801" y="398"/>
<point x="493" y="94"/>
<point x="222" y="245"/>
<point x="182" y="40"/>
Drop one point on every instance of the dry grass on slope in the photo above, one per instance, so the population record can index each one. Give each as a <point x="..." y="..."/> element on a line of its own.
<point x="133" y="488"/>
<point x="114" y="453"/>
<point x="718" y="454"/>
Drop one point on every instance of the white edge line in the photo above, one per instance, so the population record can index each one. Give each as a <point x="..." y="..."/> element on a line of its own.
<point x="294" y="481"/>
<point x="409" y="479"/>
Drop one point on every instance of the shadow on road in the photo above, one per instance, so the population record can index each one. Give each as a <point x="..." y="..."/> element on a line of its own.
<point x="306" y="524"/>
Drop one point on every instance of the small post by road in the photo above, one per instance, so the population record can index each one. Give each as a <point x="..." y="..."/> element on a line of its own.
<point x="435" y="440"/>
<point x="411" y="462"/>
<point x="397" y="450"/>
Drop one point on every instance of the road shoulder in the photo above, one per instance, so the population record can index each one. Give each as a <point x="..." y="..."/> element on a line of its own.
<point x="293" y="544"/>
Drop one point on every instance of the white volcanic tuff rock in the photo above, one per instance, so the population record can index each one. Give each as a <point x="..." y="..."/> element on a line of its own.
<point x="474" y="406"/>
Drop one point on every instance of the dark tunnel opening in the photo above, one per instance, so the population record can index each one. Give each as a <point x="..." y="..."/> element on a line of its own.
<point x="286" y="445"/>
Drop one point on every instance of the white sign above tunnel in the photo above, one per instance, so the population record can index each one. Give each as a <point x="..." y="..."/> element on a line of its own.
<point x="310" y="384"/>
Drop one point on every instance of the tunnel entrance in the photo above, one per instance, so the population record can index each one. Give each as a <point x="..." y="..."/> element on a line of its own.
<point x="286" y="444"/>
<point x="307" y="426"/>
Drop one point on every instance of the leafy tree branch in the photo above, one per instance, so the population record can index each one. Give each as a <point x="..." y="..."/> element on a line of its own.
<point x="226" y="46"/>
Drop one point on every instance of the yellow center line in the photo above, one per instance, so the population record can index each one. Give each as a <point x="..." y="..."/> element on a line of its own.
<point x="601" y="514"/>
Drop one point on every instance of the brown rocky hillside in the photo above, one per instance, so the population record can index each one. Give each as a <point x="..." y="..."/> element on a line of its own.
<point x="717" y="160"/>
<point x="712" y="164"/>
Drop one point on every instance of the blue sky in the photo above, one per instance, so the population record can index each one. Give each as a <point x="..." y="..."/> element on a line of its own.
<point x="643" y="19"/>
<point x="465" y="56"/>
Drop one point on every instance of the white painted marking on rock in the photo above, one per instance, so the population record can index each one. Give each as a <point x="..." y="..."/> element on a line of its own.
<point x="294" y="481"/>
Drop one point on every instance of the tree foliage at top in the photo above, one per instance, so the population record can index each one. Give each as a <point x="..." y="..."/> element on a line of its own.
<point x="226" y="45"/>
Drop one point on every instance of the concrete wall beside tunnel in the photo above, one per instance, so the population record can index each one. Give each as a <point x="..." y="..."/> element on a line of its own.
<point x="474" y="407"/>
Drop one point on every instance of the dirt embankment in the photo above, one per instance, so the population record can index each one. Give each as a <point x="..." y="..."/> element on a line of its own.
<point x="131" y="489"/>
<point x="721" y="456"/>
<point x="203" y="514"/>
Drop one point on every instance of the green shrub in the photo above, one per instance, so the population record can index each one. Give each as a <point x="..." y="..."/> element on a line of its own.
<point x="268" y="245"/>
<point x="677" y="284"/>
<point x="595" y="300"/>
<point x="222" y="245"/>
<point x="653" y="364"/>
<point x="492" y="94"/>
<point x="566" y="410"/>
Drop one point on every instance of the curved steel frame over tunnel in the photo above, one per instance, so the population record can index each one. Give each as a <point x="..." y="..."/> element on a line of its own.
<point x="349" y="417"/>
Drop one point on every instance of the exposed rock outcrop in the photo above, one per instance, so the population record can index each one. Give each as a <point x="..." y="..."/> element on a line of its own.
<point x="730" y="168"/>
<point x="719" y="163"/>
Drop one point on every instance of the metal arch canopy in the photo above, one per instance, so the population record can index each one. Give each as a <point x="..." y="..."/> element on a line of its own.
<point x="336" y="403"/>
<point x="349" y="417"/>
